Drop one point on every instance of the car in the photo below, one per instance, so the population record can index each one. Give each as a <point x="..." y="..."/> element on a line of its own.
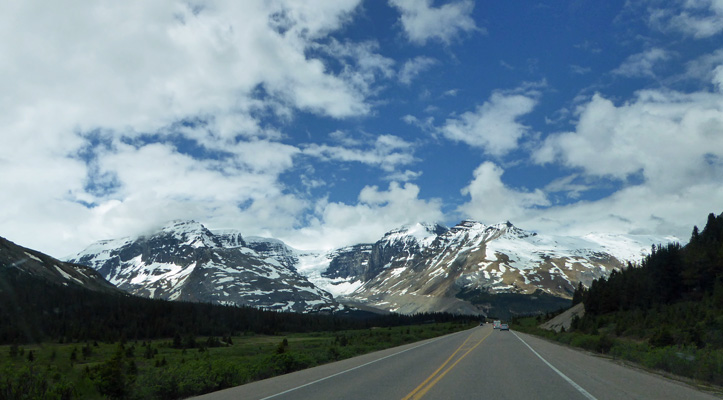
<point x="504" y="327"/>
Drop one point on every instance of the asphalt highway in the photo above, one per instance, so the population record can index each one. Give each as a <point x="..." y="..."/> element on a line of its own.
<point x="480" y="363"/>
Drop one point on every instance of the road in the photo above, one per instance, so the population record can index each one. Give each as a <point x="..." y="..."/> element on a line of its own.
<point x="474" y="364"/>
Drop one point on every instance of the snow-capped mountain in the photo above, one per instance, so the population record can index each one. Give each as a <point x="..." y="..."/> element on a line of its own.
<point x="416" y="268"/>
<point x="425" y="267"/>
<point x="14" y="258"/>
<point x="186" y="261"/>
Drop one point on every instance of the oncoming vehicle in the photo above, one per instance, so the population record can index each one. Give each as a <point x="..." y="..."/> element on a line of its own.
<point x="504" y="327"/>
<point x="496" y="325"/>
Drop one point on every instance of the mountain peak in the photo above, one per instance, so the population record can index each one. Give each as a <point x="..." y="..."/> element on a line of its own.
<point x="183" y="260"/>
<point x="420" y="232"/>
<point x="182" y="225"/>
<point x="189" y="232"/>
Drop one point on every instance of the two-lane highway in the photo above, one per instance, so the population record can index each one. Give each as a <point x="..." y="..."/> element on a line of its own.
<point x="474" y="364"/>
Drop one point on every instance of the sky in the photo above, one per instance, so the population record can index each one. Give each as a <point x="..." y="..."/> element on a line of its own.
<point x="328" y="123"/>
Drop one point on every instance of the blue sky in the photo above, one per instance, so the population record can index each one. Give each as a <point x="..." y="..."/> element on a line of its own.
<point x="327" y="123"/>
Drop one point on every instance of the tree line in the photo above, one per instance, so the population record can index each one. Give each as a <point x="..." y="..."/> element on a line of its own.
<point x="33" y="310"/>
<point x="674" y="296"/>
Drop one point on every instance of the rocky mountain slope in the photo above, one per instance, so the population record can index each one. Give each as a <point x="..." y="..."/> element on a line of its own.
<point x="48" y="269"/>
<point x="185" y="261"/>
<point x="428" y="267"/>
<point x="418" y="268"/>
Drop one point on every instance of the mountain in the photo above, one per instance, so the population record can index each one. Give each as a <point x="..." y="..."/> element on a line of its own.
<point x="25" y="262"/>
<point x="426" y="267"/>
<point x="470" y="268"/>
<point x="185" y="261"/>
<point x="43" y="299"/>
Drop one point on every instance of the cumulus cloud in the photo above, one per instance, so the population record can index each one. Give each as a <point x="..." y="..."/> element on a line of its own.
<point x="718" y="78"/>
<point x="660" y="153"/>
<point x="422" y="22"/>
<point x="362" y="65"/>
<point x="664" y="147"/>
<point x="492" y="201"/>
<point x="404" y="176"/>
<point x="699" y="19"/>
<point x="414" y="67"/>
<point x="120" y="111"/>
<point x="387" y="152"/>
<point x="377" y="212"/>
<point x="642" y="64"/>
<point x="494" y="126"/>
<point x="633" y="210"/>
<point x="155" y="183"/>
<point x="703" y="68"/>
<point x="668" y="138"/>
<point x="570" y="185"/>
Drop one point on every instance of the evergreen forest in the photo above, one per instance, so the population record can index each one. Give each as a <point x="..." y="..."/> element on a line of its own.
<point x="665" y="313"/>
<point x="33" y="310"/>
<point x="675" y="295"/>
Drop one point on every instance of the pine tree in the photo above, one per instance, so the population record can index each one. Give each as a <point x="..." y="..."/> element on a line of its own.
<point x="579" y="294"/>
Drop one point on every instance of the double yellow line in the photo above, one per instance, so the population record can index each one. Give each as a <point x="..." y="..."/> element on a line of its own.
<point x="443" y="369"/>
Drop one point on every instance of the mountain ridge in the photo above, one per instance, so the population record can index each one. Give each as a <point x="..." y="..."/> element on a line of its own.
<point x="414" y="268"/>
<point x="34" y="263"/>
<point x="186" y="261"/>
<point x="409" y="275"/>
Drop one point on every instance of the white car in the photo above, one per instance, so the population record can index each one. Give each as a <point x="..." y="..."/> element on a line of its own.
<point x="504" y="327"/>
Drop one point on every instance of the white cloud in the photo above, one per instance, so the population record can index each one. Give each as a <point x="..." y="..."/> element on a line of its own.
<point x="345" y="138"/>
<point x="362" y="66"/>
<point x="422" y="22"/>
<point x="666" y="137"/>
<point x="703" y="67"/>
<point x="633" y="210"/>
<point x="388" y="152"/>
<point x="639" y="209"/>
<point x="642" y="64"/>
<point x="697" y="18"/>
<point x="376" y="212"/>
<point x="664" y="147"/>
<point x="404" y="176"/>
<point x="142" y="73"/>
<point x="412" y="68"/>
<point x="494" y="126"/>
<point x="157" y="184"/>
<point x="579" y="70"/>
<point x="491" y="201"/>
<point x="570" y="185"/>
<point x="718" y="78"/>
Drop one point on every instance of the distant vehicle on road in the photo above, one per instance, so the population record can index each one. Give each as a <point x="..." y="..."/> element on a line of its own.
<point x="496" y="324"/>
<point x="504" y="327"/>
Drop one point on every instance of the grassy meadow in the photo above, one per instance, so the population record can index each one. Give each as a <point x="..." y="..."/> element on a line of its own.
<point x="184" y="366"/>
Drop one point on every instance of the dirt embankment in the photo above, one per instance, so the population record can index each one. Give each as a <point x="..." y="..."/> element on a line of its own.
<point x="565" y="319"/>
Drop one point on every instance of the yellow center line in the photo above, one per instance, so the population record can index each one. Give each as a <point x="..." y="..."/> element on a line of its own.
<point x="436" y="376"/>
<point x="439" y="369"/>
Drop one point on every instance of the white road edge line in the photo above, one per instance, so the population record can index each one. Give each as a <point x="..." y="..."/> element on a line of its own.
<point x="570" y="381"/>
<point x="357" y="367"/>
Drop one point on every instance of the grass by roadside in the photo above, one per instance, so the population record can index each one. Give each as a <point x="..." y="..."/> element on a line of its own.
<point x="703" y="365"/>
<point x="183" y="367"/>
